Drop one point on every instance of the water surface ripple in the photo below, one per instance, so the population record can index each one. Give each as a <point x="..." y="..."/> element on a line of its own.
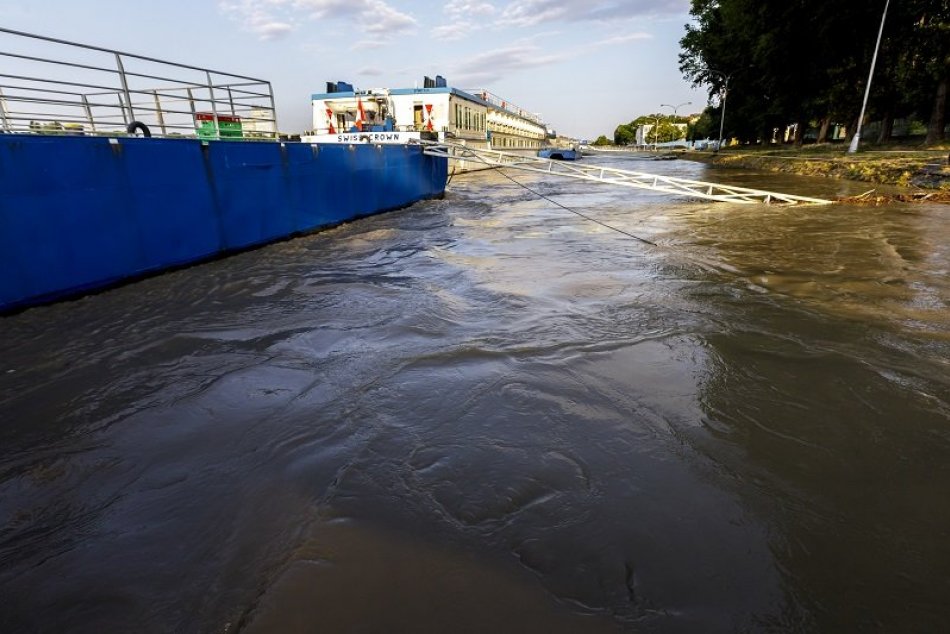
<point x="487" y="414"/>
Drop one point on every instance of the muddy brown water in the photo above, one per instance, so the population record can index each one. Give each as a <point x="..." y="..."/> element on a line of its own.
<point x="487" y="414"/>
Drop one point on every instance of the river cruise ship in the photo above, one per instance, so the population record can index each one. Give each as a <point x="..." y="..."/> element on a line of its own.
<point x="436" y="111"/>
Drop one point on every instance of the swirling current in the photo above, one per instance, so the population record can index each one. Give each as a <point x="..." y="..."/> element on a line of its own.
<point x="484" y="413"/>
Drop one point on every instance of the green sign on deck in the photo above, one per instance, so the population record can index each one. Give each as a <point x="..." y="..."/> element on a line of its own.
<point x="229" y="127"/>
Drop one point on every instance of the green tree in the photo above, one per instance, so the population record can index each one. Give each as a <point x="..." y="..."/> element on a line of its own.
<point x="806" y="61"/>
<point x="706" y="126"/>
<point x="625" y="134"/>
<point x="923" y="27"/>
<point x="601" y="140"/>
<point x="666" y="131"/>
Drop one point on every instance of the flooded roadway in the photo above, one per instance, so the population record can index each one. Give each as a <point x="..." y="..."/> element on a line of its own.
<point x="487" y="414"/>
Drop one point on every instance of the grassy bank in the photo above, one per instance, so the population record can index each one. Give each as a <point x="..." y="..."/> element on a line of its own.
<point x="905" y="167"/>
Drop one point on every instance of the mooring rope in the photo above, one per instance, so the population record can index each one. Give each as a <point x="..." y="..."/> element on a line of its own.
<point x="574" y="211"/>
<point x="499" y="168"/>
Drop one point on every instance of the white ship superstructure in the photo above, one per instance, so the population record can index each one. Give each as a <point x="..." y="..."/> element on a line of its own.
<point x="437" y="111"/>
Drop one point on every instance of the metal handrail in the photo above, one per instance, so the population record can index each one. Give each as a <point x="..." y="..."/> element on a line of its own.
<point x="612" y="176"/>
<point x="504" y="104"/>
<point x="129" y="55"/>
<point x="94" y="96"/>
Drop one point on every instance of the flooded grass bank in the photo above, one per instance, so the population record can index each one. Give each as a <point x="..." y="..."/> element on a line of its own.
<point x="915" y="169"/>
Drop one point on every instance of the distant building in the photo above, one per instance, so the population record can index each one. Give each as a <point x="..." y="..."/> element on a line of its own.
<point x="645" y="133"/>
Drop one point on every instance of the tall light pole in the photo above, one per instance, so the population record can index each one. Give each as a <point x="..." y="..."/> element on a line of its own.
<point x="725" y="93"/>
<point x="867" y="89"/>
<point x="676" y="107"/>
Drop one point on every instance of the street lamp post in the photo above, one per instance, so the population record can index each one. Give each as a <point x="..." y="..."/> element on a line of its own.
<point x="676" y="107"/>
<point x="867" y="90"/>
<point x="725" y="93"/>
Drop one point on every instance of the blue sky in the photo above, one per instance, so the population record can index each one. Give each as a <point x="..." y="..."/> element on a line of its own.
<point x="585" y="66"/>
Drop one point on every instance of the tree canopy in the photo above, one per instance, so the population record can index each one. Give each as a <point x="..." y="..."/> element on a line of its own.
<point x="662" y="129"/>
<point x="807" y="61"/>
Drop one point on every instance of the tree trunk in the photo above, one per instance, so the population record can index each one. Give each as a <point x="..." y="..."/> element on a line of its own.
<point x="765" y="133"/>
<point x="887" y="127"/>
<point x="799" y="133"/>
<point x="823" y="130"/>
<point x="938" y="119"/>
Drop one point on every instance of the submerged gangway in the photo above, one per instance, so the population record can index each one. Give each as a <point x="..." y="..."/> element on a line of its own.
<point x="613" y="176"/>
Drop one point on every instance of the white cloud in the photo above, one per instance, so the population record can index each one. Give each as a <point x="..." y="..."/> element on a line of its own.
<point x="380" y="18"/>
<point x="531" y="12"/>
<point x="622" y="39"/>
<point x="256" y="19"/>
<point x="468" y="8"/>
<point x="363" y="45"/>
<point x="466" y="16"/>
<point x="271" y="19"/>
<point x="527" y="53"/>
<point x="493" y="65"/>
<point x="454" y="31"/>
<point x="319" y="9"/>
<point x="272" y="30"/>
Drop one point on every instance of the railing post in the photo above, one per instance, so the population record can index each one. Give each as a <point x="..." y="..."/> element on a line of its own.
<point x="231" y="101"/>
<point x="85" y="105"/>
<point x="3" y="111"/>
<point x="158" y="112"/>
<point x="125" y="88"/>
<point x="214" y="107"/>
<point x="125" y="114"/>
<point x="273" y="110"/>
<point x="191" y="103"/>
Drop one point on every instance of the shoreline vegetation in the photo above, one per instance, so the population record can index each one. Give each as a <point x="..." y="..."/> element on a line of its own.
<point x="912" y="169"/>
<point x="788" y="73"/>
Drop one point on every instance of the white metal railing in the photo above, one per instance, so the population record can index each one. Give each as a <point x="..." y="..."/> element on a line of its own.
<point x="54" y="86"/>
<point x="626" y="178"/>
<point x="504" y="104"/>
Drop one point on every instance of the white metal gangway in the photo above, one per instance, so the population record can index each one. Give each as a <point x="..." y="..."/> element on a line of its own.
<point x="626" y="178"/>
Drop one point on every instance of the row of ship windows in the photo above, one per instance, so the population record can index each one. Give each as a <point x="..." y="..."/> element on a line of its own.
<point x="513" y="130"/>
<point x="517" y="143"/>
<point x="468" y="119"/>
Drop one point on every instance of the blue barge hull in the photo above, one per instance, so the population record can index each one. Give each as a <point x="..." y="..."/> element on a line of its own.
<point x="81" y="213"/>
